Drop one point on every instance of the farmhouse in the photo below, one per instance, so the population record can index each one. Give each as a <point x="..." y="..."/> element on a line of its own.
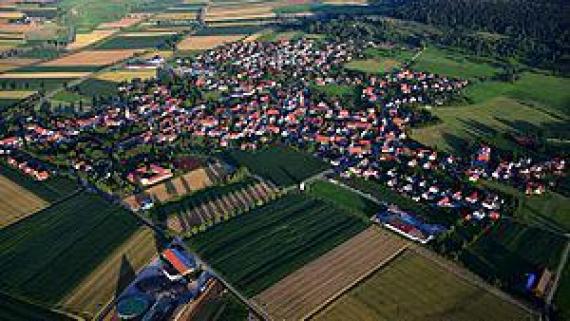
<point x="149" y="175"/>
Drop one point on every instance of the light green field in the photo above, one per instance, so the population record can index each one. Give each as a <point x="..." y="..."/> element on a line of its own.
<point x="452" y="64"/>
<point x="373" y="65"/>
<point x="415" y="288"/>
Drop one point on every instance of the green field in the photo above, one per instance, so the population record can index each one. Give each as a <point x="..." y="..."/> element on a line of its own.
<point x="12" y="309"/>
<point x="258" y="249"/>
<point x="86" y="15"/>
<point x="96" y="87"/>
<point x="452" y="64"/>
<point x="32" y="83"/>
<point x="45" y="256"/>
<point x="380" y="60"/>
<point x="49" y="190"/>
<point x="415" y="288"/>
<point x="282" y="165"/>
<point x="510" y="250"/>
<point x="138" y="42"/>
<point x="562" y="298"/>
<point x="344" y="198"/>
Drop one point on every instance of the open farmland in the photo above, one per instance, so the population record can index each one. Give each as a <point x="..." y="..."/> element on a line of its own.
<point x="111" y="276"/>
<point x="16" y="94"/>
<point x="13" y="309"/>
<point x="50" y="190"/>
<point x="125" y="75"/>
<point x="92" y="58"/>
<point x="255" y="11"/>
<point x="139" y="41"/>
<point x="6" y="77"/>
<point x="124" y="22"/>
<point x="256" y="250"/>
<point x="83" y="40"/>
<point x="452" y="64"/>
<point x="306" y="289"/>
<point x="16" y="202"/>
<point x="412" y="287"/>
<point x="343" y="197"/>
<point x="283" y="166"/>
<point x="46" y="256"/>
<point x="195" y="42"/>
<point x="15" y="63"/>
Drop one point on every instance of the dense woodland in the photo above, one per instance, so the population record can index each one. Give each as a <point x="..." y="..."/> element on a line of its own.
<point x="536" y="32"/>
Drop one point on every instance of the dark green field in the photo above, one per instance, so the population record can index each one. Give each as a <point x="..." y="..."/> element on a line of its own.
<point x="344" y="198"/>
<point x="510" y="250"/>
<point x="141" y="42"/>
<point x="256" y="250"/>
<point x="221" y="31"/>
<point x="96" y="87"/>
<point x="45" y="256"/>
<point x="31" y="84"/>
<point x="50" y="190"/>
<point x="562" y="298"/>
<point x="12" y="309"/>
<point x="282" y="165"/>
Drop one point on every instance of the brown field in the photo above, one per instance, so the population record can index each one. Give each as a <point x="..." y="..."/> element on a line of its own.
<point x="92" y="58"/>
<point x="112" y="275"/>
<point x="16" y="202"/>
<point x="121" y="23"/>
<point x="12" y="36"/>
<point x="176" y="16"/>
<point x="179" y="186"/>
<point x="125" y="74"/>
<point x="16" y="28"/>
<point x="13" y="63"/>
<point x="43" y="75"/>
<point x="83" y="40"/>
<point x="327" y="277"/>
<point x="206" y="42"/>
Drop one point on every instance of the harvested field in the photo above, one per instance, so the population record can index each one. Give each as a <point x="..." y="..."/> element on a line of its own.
<point x="414" y="287"/>
<point x="16" y="202"/>
<point x="125" y="74"/>
<point x="206" y="42"/>
<point x="311" y="286"/>
<point x="43" y="75"/>
<point x="83" y="40"/>
<point x="14" y="63"/>
<point x="176" y="187"/>
<point x="112" y="275"/>
<point x="16" y="94"/>
<point x="92" y="58"/>
<point x="148" y="33"/>
<point x="176" y="16"/>
<point x="121" y="23"/>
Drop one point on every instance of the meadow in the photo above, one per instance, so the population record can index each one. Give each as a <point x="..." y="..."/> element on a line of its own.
<point x="282" y="165"/>
<point x="413" y="287"/>
<point x="343" y="198"/>
<point x="381" y="60"/>
<point x="452" y="64"/>
<point x="256" y="250"/>
<point x="70" y="238"/>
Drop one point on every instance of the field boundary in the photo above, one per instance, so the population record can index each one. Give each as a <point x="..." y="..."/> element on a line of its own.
<point x="356" y="282"/>
<point x="470" y="277"/>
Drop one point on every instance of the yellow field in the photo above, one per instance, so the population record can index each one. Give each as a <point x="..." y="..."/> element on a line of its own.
<point x="43" y="75"/>
<point x="163" y="53"/>
<point x="125" y="74"/>
<point x="121" y="23"/>
<point x="112" y="275"/>
<point x="83" y="40"/>
<point x="176" y="16"/>
<point x="16" y="202"/>
<point x="13" y="63"/>
<point x="12" y="36"/>
<point x="11" y="15"/>
<point x="15" y="94"/>
<point x="206" y="42"/>
<point x="92" y="58"/>
<point x="258" y="34"/>
<point x="240" y="12"/>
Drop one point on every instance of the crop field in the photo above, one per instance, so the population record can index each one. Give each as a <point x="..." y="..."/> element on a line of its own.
<point x="70" y="238"/>
<point x="83" y="40"/>
<point x="16" y="202"/>
<point x="282" y="165"/>
<point x="176" y="187"/>
<point x="113" y="274"/>
<point x="124" y="22"/>
<point x="97" y="87"/>
<point x="49" y="190"/>
<point x="13" y="309"/>
<point x="235" y="29"/>
<point x="92" y="58"/>
<point x="373" y="65"/>
<point x="510" y="250"/>
<point x="239" y="12"/>
<point x="15" y="63"/>
<point x="131" y="42"/>
<point x="452" y="64"/>
<point x="31" y="76"/>
<point x="125" y="75"/>
<point x="195" y="42"/>
<point x="166" y="16"/>
<point x="562" y="298"/>
<point x="412" y="287"/>
<point x="213" y="206"/>
<point x="256" y="250"/>
<point x="305" y="290"/>
<point x="16" y="94"/>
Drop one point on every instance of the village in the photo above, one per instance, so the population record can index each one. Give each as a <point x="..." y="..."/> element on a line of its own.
<point x="268" y="93"/>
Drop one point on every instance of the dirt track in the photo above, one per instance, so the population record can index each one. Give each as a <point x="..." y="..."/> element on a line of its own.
<point x="300" y="293"/>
